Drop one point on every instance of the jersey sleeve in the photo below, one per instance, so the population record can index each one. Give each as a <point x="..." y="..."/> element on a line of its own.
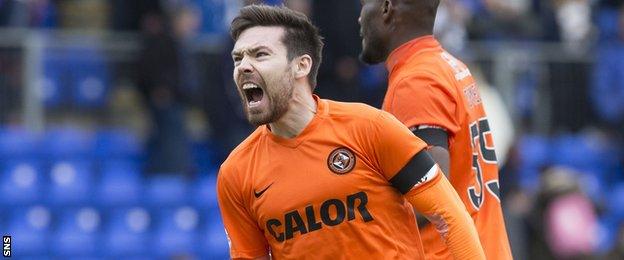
<point x="438" y="201"/>
<point x="390" y="144"/>
<point x="420" y="99"/>
<point x="245" y="238"/>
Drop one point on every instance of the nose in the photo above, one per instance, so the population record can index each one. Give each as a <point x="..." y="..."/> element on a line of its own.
<point x="360" y="20"/>
<point x="245" y="66"/>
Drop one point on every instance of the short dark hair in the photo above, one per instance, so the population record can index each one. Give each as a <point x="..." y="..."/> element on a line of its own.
<point x="301" y="36"/>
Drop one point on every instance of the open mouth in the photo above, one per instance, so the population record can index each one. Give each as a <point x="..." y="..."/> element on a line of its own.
<point x="253" y="93"/>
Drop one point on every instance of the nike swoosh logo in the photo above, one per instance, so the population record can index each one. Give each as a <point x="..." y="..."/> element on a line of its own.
<point x="258" y="194"/>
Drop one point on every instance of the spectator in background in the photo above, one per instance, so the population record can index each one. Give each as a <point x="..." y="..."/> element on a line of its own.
<point x="450" y="24"/>
<point x="162" y="85"/>
<point x="338" y="77"/>
<point x="32" y="13"/>
<point x="19" y="14"/>
<point x="186" y="21"/>
<point x="570" y="79"/>
<point x="503" y="19"/>
<point x="575" y="25"/>
<point x="215" y="14"/>
<point x="563" y="220"/>
<point x="129" y="15"/>
<point x="228" y="124"/>
<point x="545" y="12"/>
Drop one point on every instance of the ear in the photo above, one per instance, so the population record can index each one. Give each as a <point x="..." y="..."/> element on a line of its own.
<point x="303" y="66"/>
<point x="387" y="10"/>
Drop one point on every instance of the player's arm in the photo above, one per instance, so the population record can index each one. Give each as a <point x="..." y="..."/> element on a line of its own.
<point x="437" y="139"/>
<point x="404" y="161"/>
<point x="430" y="193"/>
<point x="245" y="238"/>
<point x="433" y="118"/>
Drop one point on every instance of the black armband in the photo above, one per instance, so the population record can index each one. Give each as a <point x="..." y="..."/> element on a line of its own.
<point x="433" y="136"/>
<point x="414" y="172"/>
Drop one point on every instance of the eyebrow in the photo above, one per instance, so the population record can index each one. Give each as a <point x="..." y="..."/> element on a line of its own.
<point x="252" y="50"/>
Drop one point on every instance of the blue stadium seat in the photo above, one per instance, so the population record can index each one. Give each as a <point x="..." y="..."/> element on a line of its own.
<point x="204" y="156"/>
<point x="612" y="219"/>
<point x="77" y="75"/>
<point x="591" y="154"/>
<point x="534" y="153"/>
<point x="534" y="150"/>
<point x="71" y="182"/>
<point x="91" y="90"/>
<point x="616" y="202"/>
<point x="577" y="151"/>
<point x="54" y="83"/>
<point x="18" y="143"/>
<point x="69" y="142"/>
<point x="127" y="232"/>
<point x="167" y="191"/>
<point x="91" y="77"/>
<point x="177" y="232"/>
<point x="118" y="143"/>
<point x="529" y="179"/>
<point x="214" y="241"/>
<point x="608" y="229"/>
<point x="78" y="233"/>
<point x="120" y="184"/>
<point x="30" y="230"/>
<point x="205" y="191"/>
<point x="22" y="182"/>
<point x="52" y="92"/>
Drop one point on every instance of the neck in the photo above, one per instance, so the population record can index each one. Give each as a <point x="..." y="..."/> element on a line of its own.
<point x="301" y="111"/>
<point x="404" y="37"/>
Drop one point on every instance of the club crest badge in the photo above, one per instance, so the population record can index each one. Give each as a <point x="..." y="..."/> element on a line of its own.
<point x="341" y="160"/>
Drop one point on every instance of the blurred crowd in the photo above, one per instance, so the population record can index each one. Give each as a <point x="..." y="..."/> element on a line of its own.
<point x="562" y="184"/>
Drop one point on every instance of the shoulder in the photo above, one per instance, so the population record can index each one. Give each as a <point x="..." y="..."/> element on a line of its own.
<point x="421" y="78"/>
<point x="433" y="68"/>
<point x="351" y="111"/>
<point x="357" y="121"/>
<point x="361" y="119"/>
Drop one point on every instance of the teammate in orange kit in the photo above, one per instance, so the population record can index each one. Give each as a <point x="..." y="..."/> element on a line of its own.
<point x="434" y="94"/>
<point x="320" y="179"/>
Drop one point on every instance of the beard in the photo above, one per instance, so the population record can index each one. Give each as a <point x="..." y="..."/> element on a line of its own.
<point x="373" y="49"/>
<point x="278" y="97"/>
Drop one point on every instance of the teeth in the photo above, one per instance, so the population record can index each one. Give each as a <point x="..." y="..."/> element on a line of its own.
<point x="253" y="103"/>
<point x="250" y="86"/>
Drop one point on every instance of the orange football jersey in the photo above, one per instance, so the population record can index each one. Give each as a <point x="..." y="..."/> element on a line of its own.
<point x="324" y="194"/>
<point x="429" y="87"/>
